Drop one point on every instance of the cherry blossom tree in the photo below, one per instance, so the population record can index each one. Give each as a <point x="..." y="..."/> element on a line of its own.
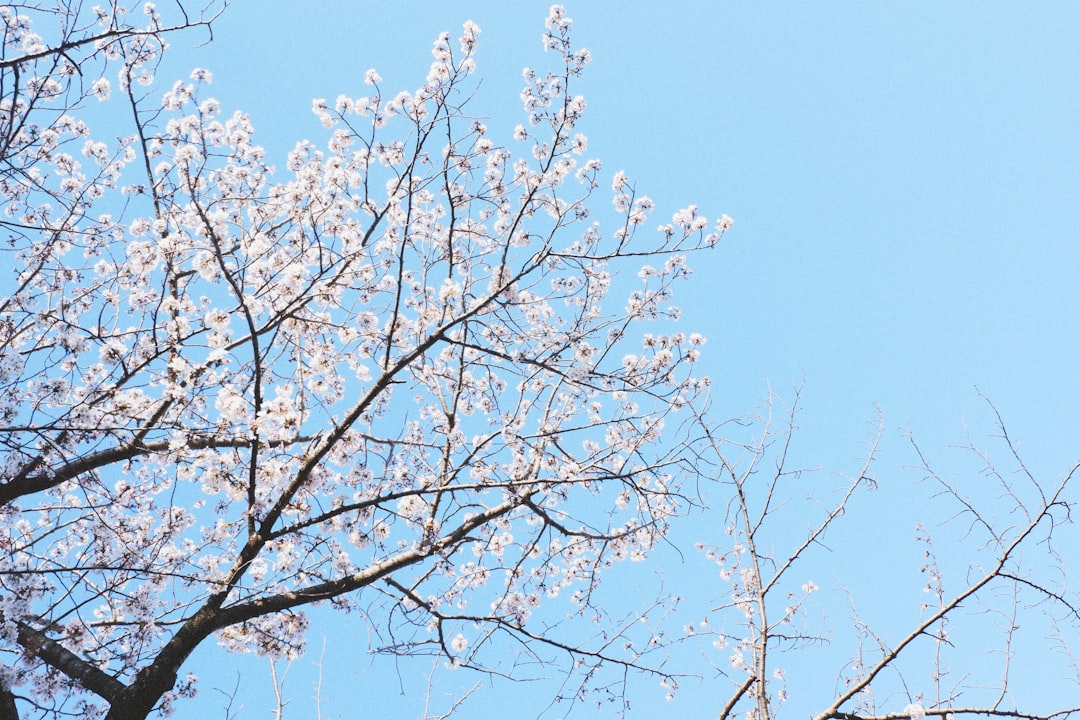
<point x="425" y="372"/>
<point x="398" y="380"/>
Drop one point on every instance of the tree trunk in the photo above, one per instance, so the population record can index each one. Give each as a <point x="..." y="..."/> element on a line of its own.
<point x="8" y="711"/>
<point x="139" y="698"/>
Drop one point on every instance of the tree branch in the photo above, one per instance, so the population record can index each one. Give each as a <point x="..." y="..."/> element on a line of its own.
<point x="56" y="655"/>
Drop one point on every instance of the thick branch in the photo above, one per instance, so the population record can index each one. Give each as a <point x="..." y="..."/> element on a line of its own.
<point x="56" y="655"/>
<point x="29" y="484"/>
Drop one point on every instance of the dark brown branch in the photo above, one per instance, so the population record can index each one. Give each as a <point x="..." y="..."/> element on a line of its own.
<point x="115" y="34"/>
<point x="726" y="712"/>
<point x="335" y="588"/>
<point x="945" y="711"/>
<point x="56" y="655"/>
<point x="29" y="484"/>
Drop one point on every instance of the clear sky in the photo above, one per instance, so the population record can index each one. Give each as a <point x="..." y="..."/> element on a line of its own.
<point x="903" y="178"/>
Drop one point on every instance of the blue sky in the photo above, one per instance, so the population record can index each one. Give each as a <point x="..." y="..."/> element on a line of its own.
<point x="903" y="178"/>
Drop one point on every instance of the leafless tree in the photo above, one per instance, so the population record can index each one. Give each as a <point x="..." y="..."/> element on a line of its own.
<point x="1004" y="570"/>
